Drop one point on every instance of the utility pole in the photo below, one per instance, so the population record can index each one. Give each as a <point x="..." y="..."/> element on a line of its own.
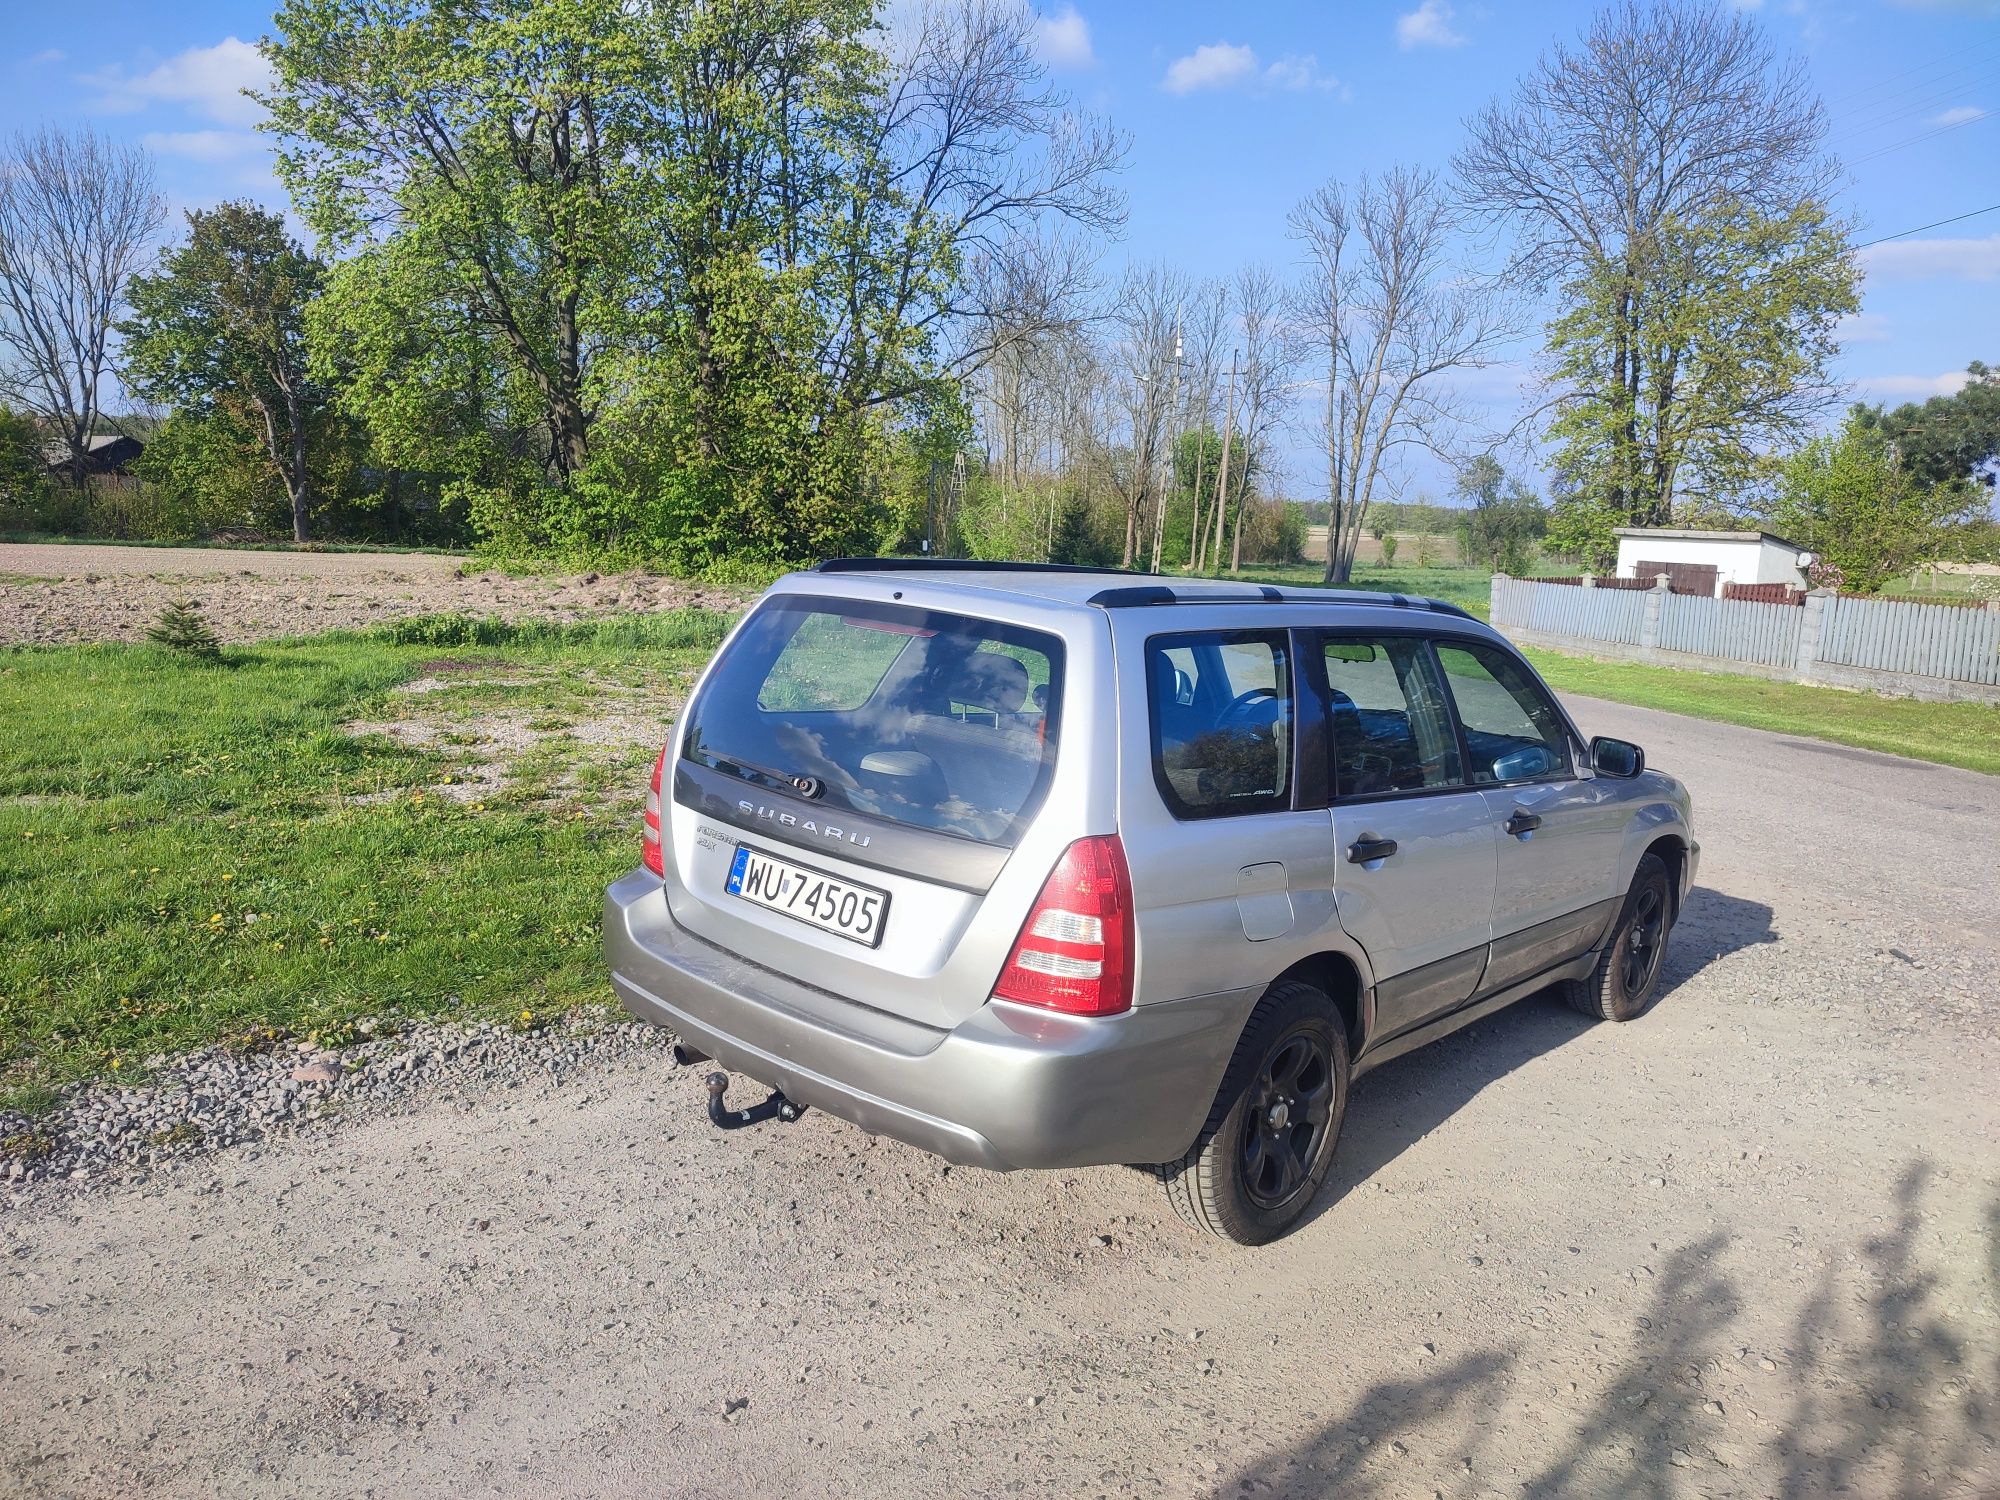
<point x="1222" y="474"/>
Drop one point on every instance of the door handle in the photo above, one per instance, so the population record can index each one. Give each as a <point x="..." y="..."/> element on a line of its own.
<point x="1366" y="850"/>
<point x="1523" y="823"/>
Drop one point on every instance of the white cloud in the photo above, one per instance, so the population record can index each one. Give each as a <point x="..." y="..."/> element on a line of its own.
<point x="1863" y="328"/>
<point x="1299" y="70"/>
<point x="1225" y="65"/>
<point x="204" y="145"/>
<point x="1935" y="260"/>
<point x="47" y="58"/>
<point x="1063" y="40"/>
<point x="1965" y="114"/>
<point x="208" y="80"/>
<point x="1429" y="25"/>
<point x="1909" y="387"/>
<point x="1213" y="65"/>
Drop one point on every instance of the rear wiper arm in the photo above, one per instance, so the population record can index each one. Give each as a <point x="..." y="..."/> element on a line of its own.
<point x="805" y="786"/>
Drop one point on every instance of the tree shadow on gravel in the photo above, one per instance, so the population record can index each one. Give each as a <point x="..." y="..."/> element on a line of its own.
<point x="1872" y="1392"/>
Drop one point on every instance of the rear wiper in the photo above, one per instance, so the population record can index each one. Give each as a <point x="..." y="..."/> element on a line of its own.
<point x="805" y="786"/>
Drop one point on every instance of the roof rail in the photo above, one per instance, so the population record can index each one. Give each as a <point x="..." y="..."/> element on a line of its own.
<point x="952" y="565"/>
<point x="1139" y="596"/>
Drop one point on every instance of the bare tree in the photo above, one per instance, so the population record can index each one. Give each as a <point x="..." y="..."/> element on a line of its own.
<point x="1392" y="316"/>
<point x="1145" y="357"/>
<point x="987" y="166"/>
<point x="1668" y="113"/>
<point x="77" y="217"/>
<point x="1268" y="359"/>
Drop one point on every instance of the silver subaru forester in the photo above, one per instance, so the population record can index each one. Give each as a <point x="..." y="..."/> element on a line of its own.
<point x="1035" y="866"/>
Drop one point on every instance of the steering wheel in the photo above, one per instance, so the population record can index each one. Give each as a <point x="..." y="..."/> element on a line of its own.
<point x="1241" y="702"/>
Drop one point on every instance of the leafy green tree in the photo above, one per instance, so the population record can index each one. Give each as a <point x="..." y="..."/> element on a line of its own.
<point x="1948" y="438"/>
<point x="1666" y="174"/>
<point x="220" y="327"/>
<point x="1725" y="337"/>
<point x="677" y="275"/>
<point x="1858" y="507"/>
<point x="22" y="468"/>
<point x="1505" y="521"/>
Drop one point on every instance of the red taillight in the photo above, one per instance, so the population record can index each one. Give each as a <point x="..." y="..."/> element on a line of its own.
<point x="1074" y="953"/>
<point x="649" y="845"/>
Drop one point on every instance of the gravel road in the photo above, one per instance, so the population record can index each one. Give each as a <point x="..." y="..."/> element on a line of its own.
<point x="51" y="592"/>
<point x="1748" y="1245"/>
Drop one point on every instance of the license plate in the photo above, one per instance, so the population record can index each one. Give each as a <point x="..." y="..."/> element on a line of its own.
<point x="853" y="911"/>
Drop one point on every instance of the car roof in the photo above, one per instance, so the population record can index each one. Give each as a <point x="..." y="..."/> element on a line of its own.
<point x="1112" y="588"/>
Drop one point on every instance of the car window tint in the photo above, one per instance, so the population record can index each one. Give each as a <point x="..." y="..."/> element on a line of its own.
<point x="1512" y="729"/>
<point x="1221" y="712"/>
<point x="1387" y="720"/>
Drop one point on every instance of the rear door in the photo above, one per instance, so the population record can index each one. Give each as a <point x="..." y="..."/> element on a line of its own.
<point x="1223" y="805"/>
<point x="1559" y="833"/>
<point x="1414" y="842"/>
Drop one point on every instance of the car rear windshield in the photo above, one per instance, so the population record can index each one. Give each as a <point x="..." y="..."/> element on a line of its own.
<point x="932" y="720"/>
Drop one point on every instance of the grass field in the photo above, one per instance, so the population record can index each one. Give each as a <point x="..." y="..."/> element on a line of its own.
<point x="191" y="853"/>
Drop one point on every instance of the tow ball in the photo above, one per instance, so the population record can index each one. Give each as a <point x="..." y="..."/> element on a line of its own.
<point x="777" y="1107"/>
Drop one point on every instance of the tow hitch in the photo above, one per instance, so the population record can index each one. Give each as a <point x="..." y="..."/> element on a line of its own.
<point x="777" y="1107"/>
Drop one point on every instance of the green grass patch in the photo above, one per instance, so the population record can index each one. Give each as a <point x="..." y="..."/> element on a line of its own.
<point x="194" y="853"/>
<point x="1952" y="734"/>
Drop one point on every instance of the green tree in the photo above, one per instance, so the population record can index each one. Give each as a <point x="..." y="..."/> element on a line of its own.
<point x="220" y="327"/>
<point x="1667" y="175"/>
<point x="1505" y="521"/>
<point x="1858" y="507"/>
<point x="23" y="469"/>
<point x="1947" y="438"/>
<point x="686" y="270"/>
<point x="1726" y="335"/>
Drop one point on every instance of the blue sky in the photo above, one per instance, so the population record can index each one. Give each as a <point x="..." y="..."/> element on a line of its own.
<point x="1236" y="112"/>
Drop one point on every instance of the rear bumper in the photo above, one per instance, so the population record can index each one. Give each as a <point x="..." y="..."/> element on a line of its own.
<point x="1010" y="1087"/>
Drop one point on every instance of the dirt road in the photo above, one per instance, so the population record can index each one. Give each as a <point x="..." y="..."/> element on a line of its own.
<point x="62" y="593"/>
<point x="1748" y="1245"/>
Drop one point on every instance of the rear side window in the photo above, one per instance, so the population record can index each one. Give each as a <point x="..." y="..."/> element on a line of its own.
<point x="933" y="720"/>
<point x="1390" y="729"/>
<point x="1221" y="710"/>
<point x="1512" y="729"/>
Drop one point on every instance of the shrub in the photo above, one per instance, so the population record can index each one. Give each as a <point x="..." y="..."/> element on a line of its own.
<point x="182" y="627"/>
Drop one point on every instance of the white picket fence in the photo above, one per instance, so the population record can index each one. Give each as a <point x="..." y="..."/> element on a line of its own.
<point x="1935" y="650"/>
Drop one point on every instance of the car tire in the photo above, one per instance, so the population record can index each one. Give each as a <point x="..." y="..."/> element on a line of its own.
<point x="1268" y="1142"/>
<point x="1628" y="970"/>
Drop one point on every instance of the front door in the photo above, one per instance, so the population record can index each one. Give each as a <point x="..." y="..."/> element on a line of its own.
<point x="1561" y="834"/>
<point x="1414" y="847"/>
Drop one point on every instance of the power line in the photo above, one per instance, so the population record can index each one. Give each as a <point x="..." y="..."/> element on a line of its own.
<point x="1940" y="130"/>
<point x="1939" y="224"/>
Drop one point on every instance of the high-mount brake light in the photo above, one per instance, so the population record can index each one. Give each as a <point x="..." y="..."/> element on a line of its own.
<point x="1074" y="953"/>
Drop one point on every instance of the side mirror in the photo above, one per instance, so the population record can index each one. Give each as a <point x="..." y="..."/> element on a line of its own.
<point x="1619" y="758"/>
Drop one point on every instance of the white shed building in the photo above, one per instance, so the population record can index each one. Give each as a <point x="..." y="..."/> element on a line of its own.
<point x="1735" y="557"/>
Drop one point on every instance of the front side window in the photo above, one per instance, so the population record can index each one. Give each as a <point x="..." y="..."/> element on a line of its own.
<point x="1221" y="707"/>
<point x="933" y="720"/>
<point x="1386" y="718"/>
<point x="1512" y="728"/>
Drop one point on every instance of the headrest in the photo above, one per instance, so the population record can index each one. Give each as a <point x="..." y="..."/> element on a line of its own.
<point x="990" y="680"/>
